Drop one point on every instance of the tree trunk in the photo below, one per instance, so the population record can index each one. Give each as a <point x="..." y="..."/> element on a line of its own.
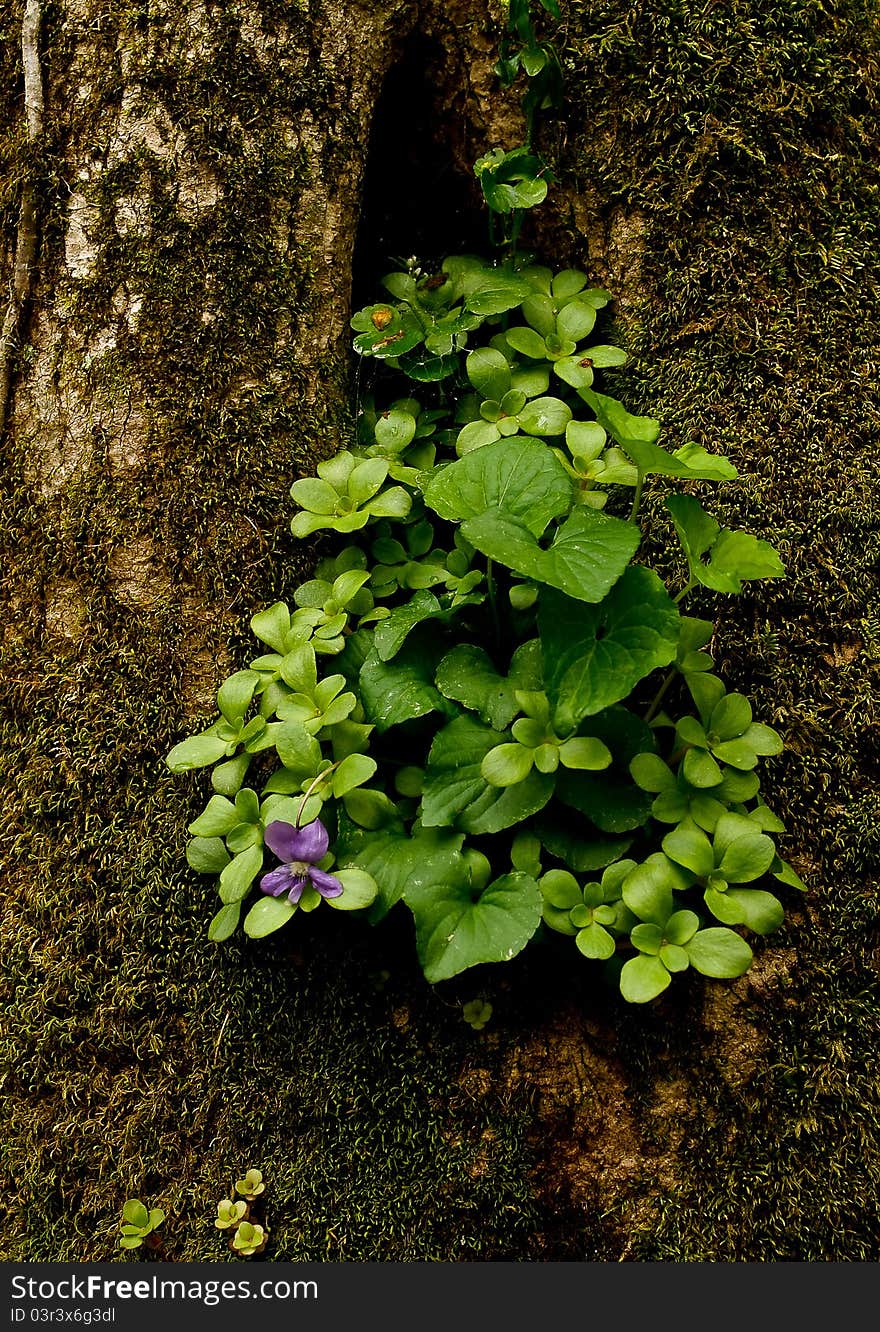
<point x="210" y="180"/>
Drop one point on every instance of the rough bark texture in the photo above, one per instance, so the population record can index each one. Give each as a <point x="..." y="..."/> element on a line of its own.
<point x="199" y="192"/>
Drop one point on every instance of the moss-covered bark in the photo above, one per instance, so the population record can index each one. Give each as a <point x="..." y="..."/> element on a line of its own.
<point x="200" y="188"/>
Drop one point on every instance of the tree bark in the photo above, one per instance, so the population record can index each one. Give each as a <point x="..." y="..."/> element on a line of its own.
<point x="185" y="357"/>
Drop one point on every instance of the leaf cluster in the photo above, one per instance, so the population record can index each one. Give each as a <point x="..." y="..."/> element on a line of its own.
<point x="463" y="692"/>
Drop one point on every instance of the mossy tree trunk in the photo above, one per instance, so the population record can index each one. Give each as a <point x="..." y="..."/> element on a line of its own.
<point x="200" y="177"/>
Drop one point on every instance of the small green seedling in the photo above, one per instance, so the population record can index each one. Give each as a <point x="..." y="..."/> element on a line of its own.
<point x="230" y="1214"/>
<point x="139" y="1224"/>
<point x="476" y="1013"/>
<point x="249" y="1239"/>
<point x="251" y="1186"/>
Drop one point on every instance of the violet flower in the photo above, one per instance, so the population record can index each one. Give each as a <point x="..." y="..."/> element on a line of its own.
<point x="300" y="849"/>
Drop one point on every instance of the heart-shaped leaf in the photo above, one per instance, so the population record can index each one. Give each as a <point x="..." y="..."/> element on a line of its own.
<point x="588" y="555"/>
<point x="519" y="477"/>
<point x="456" y="929"/>
<point x="596" y="654"/>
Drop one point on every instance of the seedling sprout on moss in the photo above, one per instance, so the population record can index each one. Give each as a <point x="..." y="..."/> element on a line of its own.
<point x="139" y="1225"/>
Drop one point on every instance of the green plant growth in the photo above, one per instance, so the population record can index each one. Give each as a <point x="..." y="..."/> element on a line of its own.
<point x="246" y="1235"/>
<point x="139" y="1225"/>
<point x="486" y="706"/>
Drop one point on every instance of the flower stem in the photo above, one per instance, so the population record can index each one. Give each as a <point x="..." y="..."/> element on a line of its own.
<point x="493" y="601"/>
<point x="637" y="498"/>
<point x="317" y="781"/>
<point x="658" y="697"/>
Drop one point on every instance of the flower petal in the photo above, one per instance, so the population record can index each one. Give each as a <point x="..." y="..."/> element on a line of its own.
<point x="296" y="891"/>
<point x="277" y="881"/>
<point x="312" y="842"/>
<point x="281" y="838"/>
<point x="325" y="883"/>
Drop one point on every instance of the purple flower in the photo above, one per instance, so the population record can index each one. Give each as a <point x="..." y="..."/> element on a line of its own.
<point x="300" y="849"/>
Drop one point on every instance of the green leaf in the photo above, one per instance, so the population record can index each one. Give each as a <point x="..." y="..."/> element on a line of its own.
<point x="690" y="847"/>
<point x="457" y="792"/>
<point x="734" y="557"/>
<point x="134" y="1212"/>
<point x="476" y="435"/>
<point x="705" y="690"/>
<point x="570" y="282"/>
<point x="489" y="372"/>
<point x="636" y="435"/>
<point x="544" y="416"/>
<point x="575" y="370"/>
<point x="700" y="769"/>
<point x="747" y="858"/>
<point x="674" y="958"/>
<point x="581" y="852"/>
<point x="207" y="855"/>
<point x="681" y="927"/>
<point x="719" y="952"/>
<point x="738" y="753"/>
<point x="651" y="774"/>
<point x="196" y="752"/>
<point x="611" y="800"/>
<point x="298" y="750"/>
<point x="647" y="890"/>
<point x="763" y="739"/>
<point x="227" y="777"/>
<point x="268" y="915"/>
<point x="730" y="716"/>
<point x="575" y="320"/>
<point x="507" y="765"/>
<point x="561" y="890"/>
<point x="400" y="690"/>
<point x="517" y="476"/>
<point x="619" y="423"/>
<point x="239" y="874"/>
<point x="217" y="819"/>
<point x="497" y="292"/>
<point x="352" y="771"/>
<point x="360" y="889"/>
<point x="225" y="922"/>
<point x="782" y="871"/>
<point x="527" y="342"/>
<point x="647" y="938"/>
<point x="430" y="858"/>
<point x="370" y="809"/>
<point x="642" y="979"/>
<point x="455" y="931"/>
<point x="603" y="356"/>
<point x="588" y="555"/>
<point x="596" y="655"/>
<point x="235" y="694"/>
<point x="467" y="676"/>
<point x="391" y="634"/>
<point x="595" y="942"/>
<point x="272" y="626"/>
<point x="760" y="911"/>
<point x="394" y="430"/>
<point x="585" y="753"/>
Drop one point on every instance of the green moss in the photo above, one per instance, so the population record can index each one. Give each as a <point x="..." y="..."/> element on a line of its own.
<point x="145" y="1062"/>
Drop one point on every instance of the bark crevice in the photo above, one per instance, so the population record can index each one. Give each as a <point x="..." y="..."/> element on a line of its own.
<point x="27" y="237"/>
